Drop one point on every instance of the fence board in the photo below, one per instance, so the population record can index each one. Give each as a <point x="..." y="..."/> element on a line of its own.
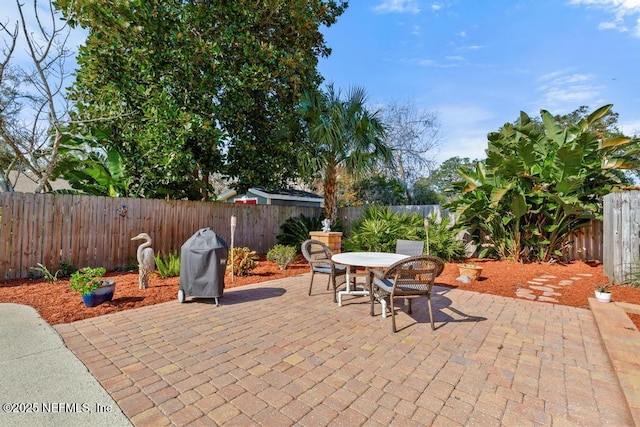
<point x="6" y="219"/>
<point x="51" y="240"/>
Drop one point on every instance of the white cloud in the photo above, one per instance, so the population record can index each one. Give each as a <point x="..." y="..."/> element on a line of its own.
<point x="612" y="26"/>
<point x="561" y="90"/>
<point x="397" y="6"/>
<point x="622" y="10"/>
<point x="436" y="6"/>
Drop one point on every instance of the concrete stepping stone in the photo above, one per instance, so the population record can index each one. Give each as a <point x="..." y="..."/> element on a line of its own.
<point x="551" y="294"/>
<point x="565" y="282"/>
<point x="548" y="276"/>
<point x="547" y="299"/>
<point x="542" y="288"/>
<point x="539" y="279"/>
<point x="525" y="293"/>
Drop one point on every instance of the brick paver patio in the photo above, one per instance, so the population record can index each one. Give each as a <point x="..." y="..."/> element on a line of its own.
<point x="271" y="355"/>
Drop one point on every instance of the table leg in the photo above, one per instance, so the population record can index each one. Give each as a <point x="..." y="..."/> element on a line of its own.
<point x="347" y="287"/>
<point x="348" y="290"/>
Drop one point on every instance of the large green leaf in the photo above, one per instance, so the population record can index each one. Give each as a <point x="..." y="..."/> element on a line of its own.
<point x="566" y="169"/>
<point x="518" y="204"/>
<point x="599" y="113"/>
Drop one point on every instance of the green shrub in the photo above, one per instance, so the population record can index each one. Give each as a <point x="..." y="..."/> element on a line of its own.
<point x="442" y="239"/>
<point x="379" y="228"/>
<point x="66" y="269"/>
<point x="243" y="261"/>
<point x="295" y="230"/>
<point x="282" y="255"/>
<point x="168" y="265"/>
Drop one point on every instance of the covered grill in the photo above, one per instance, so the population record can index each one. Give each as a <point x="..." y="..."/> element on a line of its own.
<point x="203" y="262"/>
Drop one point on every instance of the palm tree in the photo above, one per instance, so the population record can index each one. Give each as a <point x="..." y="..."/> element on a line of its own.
<point x="344" y="136"/>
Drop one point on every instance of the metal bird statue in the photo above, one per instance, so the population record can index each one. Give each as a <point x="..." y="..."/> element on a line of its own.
<point x="146" y="260"/>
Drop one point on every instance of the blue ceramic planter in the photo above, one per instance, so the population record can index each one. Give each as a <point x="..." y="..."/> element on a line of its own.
<point x="99" y="295"/>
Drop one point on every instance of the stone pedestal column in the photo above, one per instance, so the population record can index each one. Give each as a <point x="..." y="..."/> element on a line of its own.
<point x="333" y="239"/>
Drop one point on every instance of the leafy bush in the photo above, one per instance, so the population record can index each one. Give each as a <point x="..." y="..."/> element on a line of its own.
<point x="243" y="261"/>
<point x="66" y="269"/>
<point x="379" y="228"/>
<point x="168" y="265"/>
<point x="282" y="255"/>
<point x="541" y="181"/>
<point x="443" y="241"/>
<point x="295" y="230"/>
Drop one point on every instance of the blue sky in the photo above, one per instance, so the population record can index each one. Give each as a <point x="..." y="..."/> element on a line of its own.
<point x="477" y="64"/>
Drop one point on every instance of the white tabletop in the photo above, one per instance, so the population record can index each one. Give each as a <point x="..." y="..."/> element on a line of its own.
<point x="367" y="259"/>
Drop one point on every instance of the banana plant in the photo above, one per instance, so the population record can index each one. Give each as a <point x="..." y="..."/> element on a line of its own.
<point x="539" y="183"/>
<point x="90" y="169"/>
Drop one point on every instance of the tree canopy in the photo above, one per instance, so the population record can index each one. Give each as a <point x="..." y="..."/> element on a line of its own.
<point x="188" y="89"/>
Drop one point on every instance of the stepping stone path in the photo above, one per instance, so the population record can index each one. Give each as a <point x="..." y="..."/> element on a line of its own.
<point x="545" y="288"/>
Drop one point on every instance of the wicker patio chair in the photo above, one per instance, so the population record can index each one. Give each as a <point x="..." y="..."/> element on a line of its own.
<point x="319" y="257"/>
<point x="409" y="247"/>
<point x="410" y="278"/>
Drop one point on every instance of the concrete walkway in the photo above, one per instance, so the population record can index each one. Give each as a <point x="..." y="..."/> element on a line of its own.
<point x="42" y="383"/>
<point x="271" y="355"/>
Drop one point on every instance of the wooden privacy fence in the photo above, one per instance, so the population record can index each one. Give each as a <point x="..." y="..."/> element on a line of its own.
<point x="621" y="241"/>
<point x="97" y="231"/>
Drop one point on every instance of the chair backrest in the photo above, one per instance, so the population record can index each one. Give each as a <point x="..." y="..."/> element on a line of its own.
<point x="315" y="250"/>
<point x="409" y="247"/>
<point x="417" y="272"/>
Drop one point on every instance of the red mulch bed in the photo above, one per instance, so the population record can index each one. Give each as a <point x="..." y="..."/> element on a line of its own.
<point x="56" y="303"/>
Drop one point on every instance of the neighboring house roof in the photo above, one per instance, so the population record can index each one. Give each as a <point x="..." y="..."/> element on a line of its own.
<point x="277" y="194"/>
<point x="26" y="183"/>
<point x="287" y="194"/>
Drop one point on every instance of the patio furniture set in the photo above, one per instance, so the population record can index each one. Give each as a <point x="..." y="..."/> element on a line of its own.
<point x="407" y="274"/>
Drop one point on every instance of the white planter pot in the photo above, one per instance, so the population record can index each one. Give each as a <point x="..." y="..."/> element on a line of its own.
<point x="603" y="296"/>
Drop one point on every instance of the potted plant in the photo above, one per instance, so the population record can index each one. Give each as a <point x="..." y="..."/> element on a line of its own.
<point x="282" y="255"/>
<point x="603" y="293"/>
<point x="470" y="269"/>
<point x="87" y="281"/>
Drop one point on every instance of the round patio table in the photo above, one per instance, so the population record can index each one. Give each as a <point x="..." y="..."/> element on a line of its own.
<point x="367" y="260"/>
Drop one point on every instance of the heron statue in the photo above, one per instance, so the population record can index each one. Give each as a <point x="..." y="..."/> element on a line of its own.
<point x="146" y="261"/>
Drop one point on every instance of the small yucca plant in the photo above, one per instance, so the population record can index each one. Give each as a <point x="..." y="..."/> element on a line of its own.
<point x="168" y="265"/>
